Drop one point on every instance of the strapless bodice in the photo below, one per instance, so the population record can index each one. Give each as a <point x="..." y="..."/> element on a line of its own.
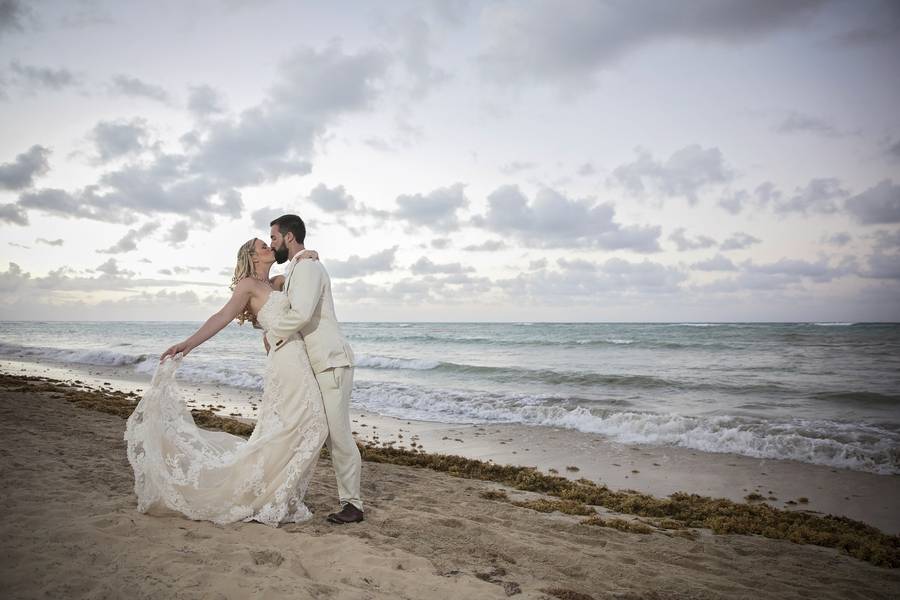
<point x="275" y="304"/>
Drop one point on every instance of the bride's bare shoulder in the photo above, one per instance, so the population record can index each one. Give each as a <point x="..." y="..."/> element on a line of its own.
<point x="277" y="282"/>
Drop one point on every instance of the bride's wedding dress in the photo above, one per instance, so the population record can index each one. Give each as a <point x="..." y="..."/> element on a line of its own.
<point x="219" y="477"/>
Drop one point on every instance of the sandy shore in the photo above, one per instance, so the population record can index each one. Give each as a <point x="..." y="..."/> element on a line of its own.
<point x="70" y="530"/>
<point x="655" y="470"/>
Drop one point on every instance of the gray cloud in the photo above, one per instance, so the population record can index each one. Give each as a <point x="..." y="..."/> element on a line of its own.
<point x="424" y="266"/>
<point x="842" y="238"/>
<point x="15" y="245"/>
<point x="686" y="173"/>
<point x="781" y="274"/>
<point x="111" y="268"/>
<point x="739" y="241"/>
<point x="880" y="23"/>
<point x="881" y="265"/>
<point x="158" y="187"/>
<point x="796" y="122"/>
<point x="681" y="240"/>
<point x="358" y="266"/>
<point x="585" y="280"/>
<point x="552" y="220"/>
<point x="416" y="39"/>
<point x="820" y="271"/>
<point x="734" y="202"/>
<point x="265" y="142"/>
<point x="567" y="45"/>
<point x="440" y="243"/>
<point x="437" y="209"/>
<point x="716" y="263"/>
<point x="486" y="246"/>
<point x="33" y="78"/>
<point x="275" y="138"/>
<point x="129" y="241"/>
<point x="203" y="101"/>
<point x="13" y="214"/>
<point x="56" y="242"/>
<point x="13" y="15"/>
<point x="764" y="195"/>
<point x="63" y="279"/>
<point x="893" y="150"/>
<point x="877" y="205"/>
<point x="60" y="202"/>
<point x="332" y="199"/>
<point x="133" y="87"/>
<point x="178" y="233"/>
<point x="458" y="288"/>
<point x="586" y="169"/>
<point x="884" y="260"/>
<point x="115" y="139"/>
<point x="189" y="269"/>
<point x="820" y="195"/>
<point x="889" y="240"/>
<point x="20" y="173"/>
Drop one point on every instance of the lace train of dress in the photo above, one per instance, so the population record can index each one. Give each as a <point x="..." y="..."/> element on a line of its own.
<point x="219" y="477"/>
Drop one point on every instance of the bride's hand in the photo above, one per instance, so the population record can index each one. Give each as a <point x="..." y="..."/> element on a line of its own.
<point x="310" y="254"/>
<point x="173" y="350"/>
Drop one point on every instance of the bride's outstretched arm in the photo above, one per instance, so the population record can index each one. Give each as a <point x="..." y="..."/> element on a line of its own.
<point x="215" y="323"/>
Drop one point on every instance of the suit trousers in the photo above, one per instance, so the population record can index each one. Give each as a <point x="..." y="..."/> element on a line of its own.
<point x="336" y="384"/>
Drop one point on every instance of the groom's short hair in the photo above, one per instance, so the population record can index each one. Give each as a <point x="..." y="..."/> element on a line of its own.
<point x="292" y="224"/>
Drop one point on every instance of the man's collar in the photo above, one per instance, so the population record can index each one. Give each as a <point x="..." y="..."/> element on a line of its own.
<point x="298" y="254"/>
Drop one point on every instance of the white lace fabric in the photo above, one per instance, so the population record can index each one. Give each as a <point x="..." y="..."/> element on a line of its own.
<point x="219" y="477"/>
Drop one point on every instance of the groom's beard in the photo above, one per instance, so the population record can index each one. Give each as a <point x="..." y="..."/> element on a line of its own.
<point x="281" y="255"/>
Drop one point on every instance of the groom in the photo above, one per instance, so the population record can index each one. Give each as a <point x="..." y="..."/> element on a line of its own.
<point x="308" y="288"/>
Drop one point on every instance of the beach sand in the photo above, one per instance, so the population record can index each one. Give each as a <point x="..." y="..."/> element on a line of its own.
<point x="70" y="530"/>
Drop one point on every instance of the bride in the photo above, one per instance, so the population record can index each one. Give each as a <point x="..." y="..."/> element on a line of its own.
<point x="216" y="476"/>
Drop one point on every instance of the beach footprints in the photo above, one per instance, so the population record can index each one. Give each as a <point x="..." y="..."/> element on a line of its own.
<point x="493" y="576"/>
<point x="266" y="557"/>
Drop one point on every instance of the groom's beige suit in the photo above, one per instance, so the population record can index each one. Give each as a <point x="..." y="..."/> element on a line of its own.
<point x="312" y="317"/>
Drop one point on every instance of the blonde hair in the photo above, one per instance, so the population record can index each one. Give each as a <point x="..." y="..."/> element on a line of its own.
<point x="243" y="269"/>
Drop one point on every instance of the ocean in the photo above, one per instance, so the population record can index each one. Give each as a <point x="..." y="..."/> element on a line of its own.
<point x="822" y="393"/>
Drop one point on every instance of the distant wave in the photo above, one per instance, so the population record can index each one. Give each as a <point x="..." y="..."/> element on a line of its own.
<point x="548" y="342"/>
<point x="834" y="324"/>
<point x="386" y="362"/>
<point x="98" y="357"/>
<point x="845" y="397"/>
<point x="615" y="341"/>
<point x="852" y="446"/>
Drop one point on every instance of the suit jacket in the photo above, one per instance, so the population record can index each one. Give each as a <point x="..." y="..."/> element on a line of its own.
<point x="311" y="315"/>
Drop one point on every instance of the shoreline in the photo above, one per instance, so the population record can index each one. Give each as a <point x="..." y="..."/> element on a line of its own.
<point x="655" y="470"/>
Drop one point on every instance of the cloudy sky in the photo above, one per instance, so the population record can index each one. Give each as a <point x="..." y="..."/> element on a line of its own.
<point x="461" y="161"/>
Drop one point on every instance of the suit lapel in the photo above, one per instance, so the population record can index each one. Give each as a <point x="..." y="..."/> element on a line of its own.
<point x="287" y="276"/>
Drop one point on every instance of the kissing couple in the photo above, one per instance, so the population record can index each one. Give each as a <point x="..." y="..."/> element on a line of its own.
<point x="220" y="477"/>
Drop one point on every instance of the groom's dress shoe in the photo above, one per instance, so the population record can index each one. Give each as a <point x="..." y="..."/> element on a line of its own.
<point x="348" y="514"/>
